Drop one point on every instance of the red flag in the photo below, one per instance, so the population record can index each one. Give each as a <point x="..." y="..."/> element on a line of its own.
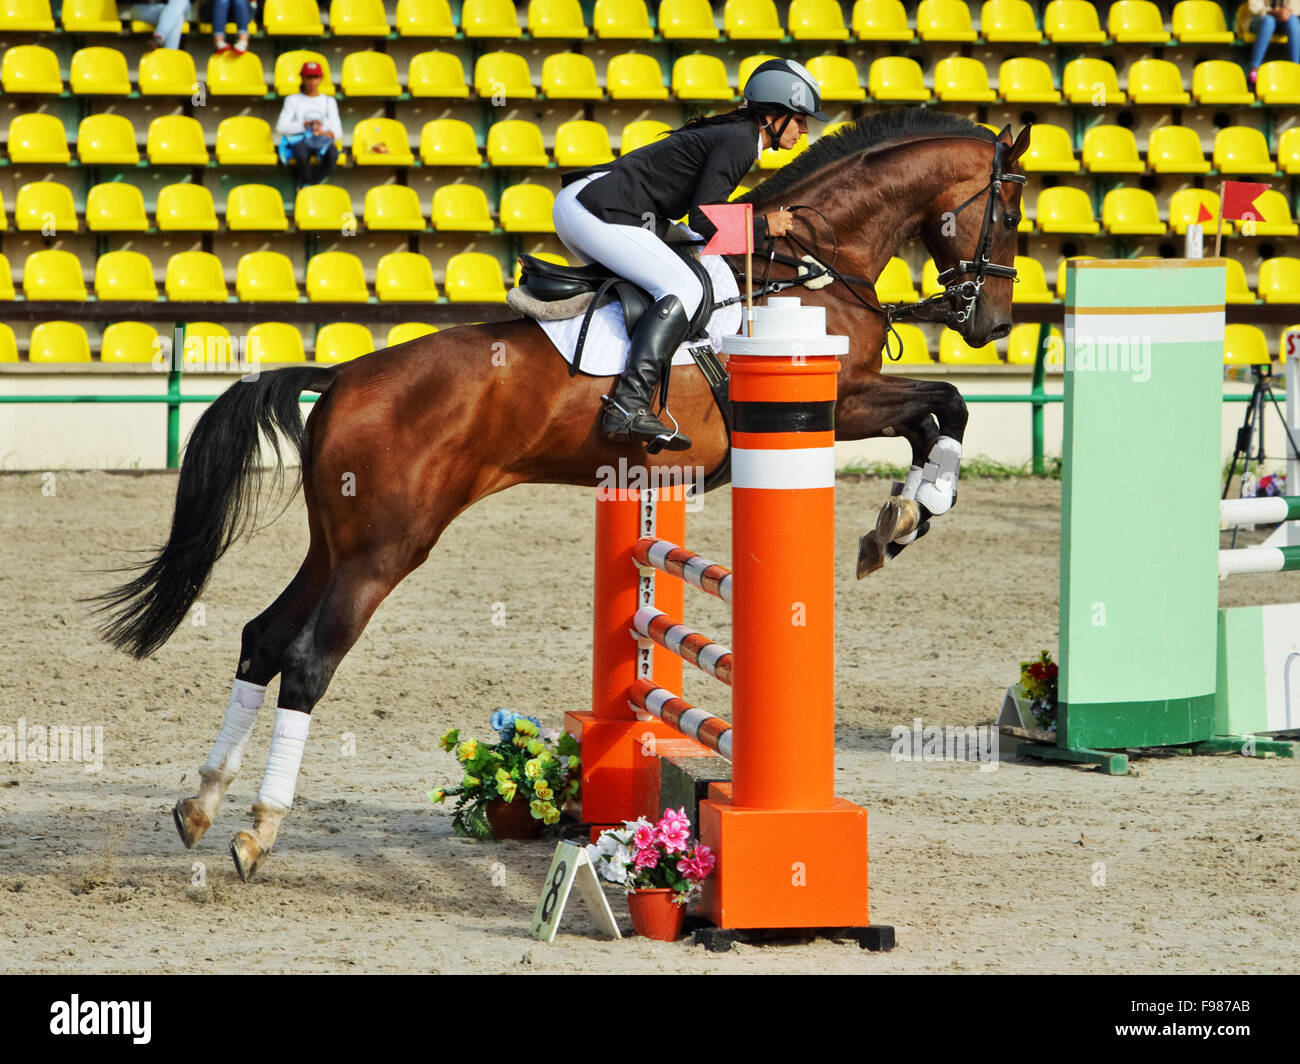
<point x="1203" y="213"/>
<point x="1239" y="199"/>
<point x="735" y="222"/>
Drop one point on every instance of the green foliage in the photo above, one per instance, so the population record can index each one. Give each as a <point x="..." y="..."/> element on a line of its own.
<point x="988" y="468"/>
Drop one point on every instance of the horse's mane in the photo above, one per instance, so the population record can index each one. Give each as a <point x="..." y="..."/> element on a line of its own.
<point x="874" y="131"/>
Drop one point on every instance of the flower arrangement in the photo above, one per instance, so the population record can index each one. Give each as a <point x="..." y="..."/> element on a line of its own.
<point x="527" y="763"/>
<point x="645" y="856"/>
<point x="1038" y="681"/>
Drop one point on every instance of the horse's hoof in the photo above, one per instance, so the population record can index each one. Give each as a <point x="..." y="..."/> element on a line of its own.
<point x="871" y="555"/>
<point x="898" y="517"/>
<point x="191" y="822"/>
<point x="247" y="853"/>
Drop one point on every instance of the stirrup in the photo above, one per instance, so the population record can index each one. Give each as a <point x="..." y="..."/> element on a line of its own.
<point x="675" y="442"/>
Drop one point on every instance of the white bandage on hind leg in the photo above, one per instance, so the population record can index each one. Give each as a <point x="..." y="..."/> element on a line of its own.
<point x="287" y="744"/>
<point x="910" y="484"/>
<point x="241" y="714"/>
<point x="938" y="487"/>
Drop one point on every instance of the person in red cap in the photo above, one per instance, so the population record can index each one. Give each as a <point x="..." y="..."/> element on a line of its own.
<point x="310" y="130"/>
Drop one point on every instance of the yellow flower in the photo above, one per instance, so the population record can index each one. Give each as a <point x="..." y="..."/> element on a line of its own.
<point x="532" y="768"/>
<point x="526" y="727"/>
<point x="450" y="739"/>
<point x="520" y="741"/>
<point x="538" y="808"/>
<point x="471" y="781"/>
<point x="506" y="789"/>
<point x="468" y="750"/>
<point x="437" y="796"/>
<point x="551" y="815"/>
<point x="543" y="790"/>
<point x="536" y="746"/>
<point x="572" y="788"/>
<point x="575" y="763"/>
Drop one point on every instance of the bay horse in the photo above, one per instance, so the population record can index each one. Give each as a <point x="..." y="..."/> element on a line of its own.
<point x="403" y="440"/>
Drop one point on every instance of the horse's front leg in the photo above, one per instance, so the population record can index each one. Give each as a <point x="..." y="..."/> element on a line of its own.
<point x="931" y="416"/>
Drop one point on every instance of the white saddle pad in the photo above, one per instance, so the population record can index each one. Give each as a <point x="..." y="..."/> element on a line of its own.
<point x="605" y="352"/>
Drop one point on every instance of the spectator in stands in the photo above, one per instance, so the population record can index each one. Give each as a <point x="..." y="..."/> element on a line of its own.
<point x="237" y="11"/>
<point x="1266" y="16"/>
<point x="167" y="19"/>
<point x="310" y="129"/>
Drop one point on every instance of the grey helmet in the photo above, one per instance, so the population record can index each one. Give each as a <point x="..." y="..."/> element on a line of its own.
<point x="785" y="84"/>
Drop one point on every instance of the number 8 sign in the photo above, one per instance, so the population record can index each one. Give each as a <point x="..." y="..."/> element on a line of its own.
<point x="571" y="865"/>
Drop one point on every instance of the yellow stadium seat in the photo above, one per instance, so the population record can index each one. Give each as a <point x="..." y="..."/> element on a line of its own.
<point x="1072" y="22"/>
<point x="880" y="20"/>
<point x="107" y="139"/>
<point x="168" y="72"/>
<point x="1242" y="150"/>
<point x="265" y="276"/>
<point x="556" y="19"/>
<point x="569" y="76"/>
<point x="837" y="76"/>
<point x="30" y="70"/>
<point x="1031" y="282"/>
<point x="1091" y="81"/>
<point x="323" y="208"/>
<point x="116" y="207"/>
<point x="1279" y="280"/>
<point x="381" y="142"/>
<point x="1176" y="150"/>
<point x="358" y="18"/>
<point x="1065" y="210"/>
<point x="437" y="74"/>
<point x="424" y="18"/>
<point x="1131" y="211"/>
<point x="896" y="77"/>
<point x="748" y="65"/>
<point x="1200" y="22"/>
<point x="1238" y="291"/>
<point x="462" y="208"/>
<point x="99" y="72"/>
<point x="342" y="341"/>
<point x="635" y="76"/>
<point x="1136" y="22"/>
<point x="700" y="77"/>
<point x="963" y="79"/>
<point x="582" y="143"/>
<point x="406" y="331"/>
<point x="45" y="207"/>
<point x="232" y="74"/>
<point x="18" y="15"/>
<point x="292" y="18"/>
<point x="1022" y="346"/>
<point x="370" y="74"/>
<point x="197" y="276"/>
<point x="8" y="345"/>
<point x="1111" y="150"/>
<point x="393" y="208"/>
<point x="58" y="341"/>
<point x="1288" y="151"/>
<point x="1185" y="209"/>
<point x="527" y="208"/>
<point x="130" y="341"/>
<point x="1156" y="81"/>
<point x="245" y="140"/>
<point x="474" y="277"/>
<point x="1049" y="151"/>
<point x="4" y="218"/>
<point x="503" y="74"/>
<point x="255" y="207"/>
<point x="1027" y="80"/>
<point x="489" y="18"/>
<point x="915" y="349"/>
<point x="894" y="285"/>
<point x="640" y="133"/>
<point x="1217" y="81"/>
<point x="404" y="276"/>
<point x="336" y="277"/>
<point x="288" y="71"/>
<point x="943" y="20"/>
<point x="954" y="350"/>
<point x="751" y="20"/>
<point x="37" y="138"/>
<point x="687" y="20"/>
<point x="1279" y="82"/>
<point x="775" y="158"/>
<point x="621" y="20"/>
<point x="6" y="280"/>
<point x="1009" y="22"/>
<point x="515" y="142"/>
<point x="275" y="341"/>
<point x="121" y="275"/>
<point x="1274" y="217"/>
<point x="186" y="208"/>
<point x="90" y="16"/>
<point x="817" y="20"/>
<point x="1245" y="345"/>
<point x="449" y="142"/>
<point x="930" y="285"/>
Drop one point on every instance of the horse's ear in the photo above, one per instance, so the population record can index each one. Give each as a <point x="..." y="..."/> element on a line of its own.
<point x="1018" y="148"/>
<point x="1005" y="135"/>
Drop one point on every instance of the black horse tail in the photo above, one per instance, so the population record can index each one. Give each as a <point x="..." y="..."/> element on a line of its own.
<point x="217" y="499"/>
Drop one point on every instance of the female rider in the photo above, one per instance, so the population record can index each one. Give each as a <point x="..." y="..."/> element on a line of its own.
<point x="617" y="214"/>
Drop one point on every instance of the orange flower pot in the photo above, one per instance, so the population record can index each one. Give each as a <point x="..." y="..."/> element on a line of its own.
<point x="655" y="914"/>
<point x="513" y="820"/>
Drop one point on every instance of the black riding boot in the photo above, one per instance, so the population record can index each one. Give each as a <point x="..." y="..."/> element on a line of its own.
<point x="627" y="410"/>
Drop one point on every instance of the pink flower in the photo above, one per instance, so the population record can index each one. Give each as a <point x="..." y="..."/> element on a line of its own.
<point x="698" y="865"/>
<point x="647" y="858"/>
<point x="674" y="830"/>
<point x="644" y="837"/>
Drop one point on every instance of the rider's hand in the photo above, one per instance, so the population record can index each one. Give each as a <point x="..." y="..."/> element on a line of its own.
<point x="779" y="223"/>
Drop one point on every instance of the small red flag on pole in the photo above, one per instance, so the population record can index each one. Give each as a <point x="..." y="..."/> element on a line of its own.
<point x="735" y="236"/>
<point x="1238" y="203"/>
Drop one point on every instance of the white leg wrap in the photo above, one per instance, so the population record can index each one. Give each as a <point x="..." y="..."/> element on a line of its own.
<point x="287" y="744"/>
<point x="241" y="715"/>
<point x="910" y="485"/>
<point x="939" y="478"/>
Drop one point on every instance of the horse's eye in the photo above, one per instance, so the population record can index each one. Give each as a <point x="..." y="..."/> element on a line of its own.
<point x="1011" y="221"/>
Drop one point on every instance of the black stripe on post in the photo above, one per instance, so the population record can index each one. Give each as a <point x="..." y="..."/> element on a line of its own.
<point x="784" y="417"/>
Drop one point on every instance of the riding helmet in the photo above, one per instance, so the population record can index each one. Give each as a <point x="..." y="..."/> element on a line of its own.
<point x="787" y="85"/>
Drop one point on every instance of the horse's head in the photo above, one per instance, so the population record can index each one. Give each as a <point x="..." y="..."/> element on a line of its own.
<point x="972" y="237"/>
